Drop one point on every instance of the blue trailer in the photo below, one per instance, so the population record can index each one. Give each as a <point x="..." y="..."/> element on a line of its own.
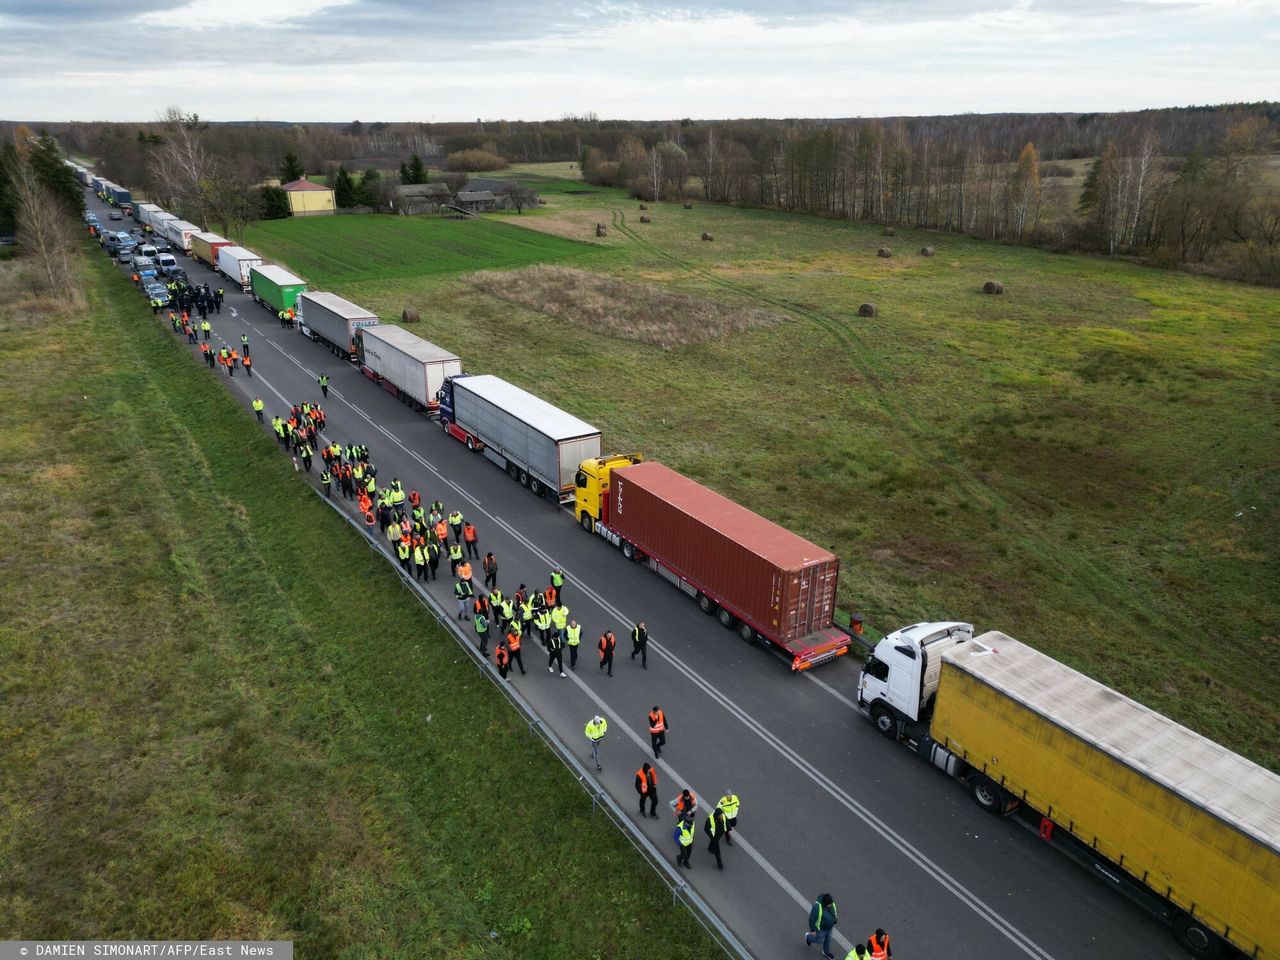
<point x="120" y="195"/>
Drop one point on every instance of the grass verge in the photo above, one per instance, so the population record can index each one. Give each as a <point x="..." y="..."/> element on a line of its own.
<point x="221" y="717"/>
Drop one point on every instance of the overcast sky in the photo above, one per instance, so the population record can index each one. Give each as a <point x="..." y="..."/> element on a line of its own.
<point x="538" y="59"/>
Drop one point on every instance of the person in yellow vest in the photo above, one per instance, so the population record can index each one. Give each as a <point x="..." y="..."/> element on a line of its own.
<point x="258" y="406"/>
<point x="684" y="835"/>
<point x="560" y="621"/>
<point x="714" y="829"/>
<point x="729" y="803"/>
<point x="597" y="726"/>
<point x="573" y="637"/>
<point x="455" y="558"/>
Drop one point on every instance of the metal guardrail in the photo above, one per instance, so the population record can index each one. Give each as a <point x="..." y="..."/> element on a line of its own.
<point x="681" y="892"/>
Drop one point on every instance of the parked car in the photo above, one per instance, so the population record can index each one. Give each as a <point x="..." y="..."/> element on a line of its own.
<point x="115" y="215"/>
<point x="148" y="250"/>
<point x="161" y="244"/>
<point x="145" y="267"/>
<point x="177" y="274"/>
<point x="125" y="253"/>
<point x="157" y="291"/>
<point x="166" y="262"/>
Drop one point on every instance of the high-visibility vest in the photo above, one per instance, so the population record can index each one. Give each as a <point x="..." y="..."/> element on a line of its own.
<point x="635" y="634"/>
<point x="502" y="656"/>
<point x="879" y="947"/>
<point x="693" y="801"/>
<point x="462" y="589"/>
<point x="710" y="825"/>
<point x="481" y="624"/>
<point x="596" y="731"/>
<point x="557" y="579"/>
<point x="455" y="519"/>
<point x="549" y="597"/>
<point x="442" y="532"/>
<point x="686" y="833"/>
<point x="402" y="549"/>
<point x="575" y="635"/>
<point x="560" y="617"/>
<point x="455" y="552"/>
<point x="644" y="783"/>
<point x="526" y="610"/>
<point x="326" y="478"/>
<point x="464" y="570"/>
<point x="657" y="722"/>
<point x="729" y="804"/>
<point x="607" y="643"/>
<point x="418" y="556"/>
<point x="513" y="640"/>
<point x="258" y="404"/>
<point x="469" y="533"/>
<point x="543" y="622"/>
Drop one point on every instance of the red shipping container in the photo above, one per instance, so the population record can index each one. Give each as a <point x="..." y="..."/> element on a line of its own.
<point x="775" y="580"/>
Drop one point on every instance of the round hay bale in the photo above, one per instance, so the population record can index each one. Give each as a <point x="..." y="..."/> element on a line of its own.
<point x="644" y="206"/>
<point x="707" y="236"/>
<point x="993" y="287"/>
<point x="926" y="251"/>
<point x="644" y="219"/>
<point x="867" y="310"/>
<point x="542" y="201"/>
<point x="688" y="206"/>
<point x="887" y="232"/>
<point x="601" y="231"/>
<point x="410" y="316"/>
<point x="884" y="252"/>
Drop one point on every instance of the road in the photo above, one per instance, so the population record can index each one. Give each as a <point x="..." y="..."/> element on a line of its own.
<point x="827" y="804"/>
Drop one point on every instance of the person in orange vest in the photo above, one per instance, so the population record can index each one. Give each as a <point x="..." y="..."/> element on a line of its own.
<point x="608" y="643"/>
<point x="513" y="644"/>
<point x="248" y="365"/>
<point x="464" y="570"/>
<point x="415" y="498"/>
<point x="471" y="539"/>
<point x="647" y="787"/>
<point x="490" y="567"/>
<point x="502" y="658"/>
<point x="442" y="533"/>
<point x="657" y="730"/>
<point x="686" y="803"/>
<point x="878" y="945"/>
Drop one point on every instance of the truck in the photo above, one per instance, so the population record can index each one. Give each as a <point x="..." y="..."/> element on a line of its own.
<point x="179" y="233"/>
<point x="770" y="585"/>
<point x="205" y="247"/>
<point x="119" y="195"/>
<point x="1178" y="823"/>
<point x="329" y="319"/>
<point x="234" y="263"/>
<point x="539" y="445"/>
<point x="145" y="213"/>
<point x="158" y="221"/>
<point x="275" y="287"/>
<point x="405" y="365"/>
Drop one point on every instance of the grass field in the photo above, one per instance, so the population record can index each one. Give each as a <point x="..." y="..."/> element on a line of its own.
<point x="1087" y="462"/>
<point x="222" y="718"/>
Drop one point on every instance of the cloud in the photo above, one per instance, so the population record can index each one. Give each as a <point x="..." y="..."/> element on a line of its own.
<point x="203" y="15"/>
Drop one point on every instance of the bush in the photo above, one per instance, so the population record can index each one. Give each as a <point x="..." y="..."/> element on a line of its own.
<point x="474" y="161"/>
<point x="275" y="204"/>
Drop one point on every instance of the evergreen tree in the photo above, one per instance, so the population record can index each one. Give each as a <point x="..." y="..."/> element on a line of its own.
<point x="344" y="188"/>
<point x="291" y="168"/>
<point x="414" y="171"/>
<point x="367" y="192"/>
<point x="274" y="204"/>
<point x="55" y="175"/>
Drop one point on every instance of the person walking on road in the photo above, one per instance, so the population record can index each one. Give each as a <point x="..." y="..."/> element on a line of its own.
<point x="878" y="946"/>
<point x="684" y="834"/>
<point x="597" y="726"/>
<point x="555" y="653"/>
<point x="557" y="581"/>
<point x="326" y="478"/>
<point x="206" y="328"/>
<point x="822" y="920"/>
<point x="859" y="952"/>
<point x="244" y="344"/>
<point x="686" y="803"/>
<point x="608" y="643"/>
<point x="657" y="730"/>
<point x="513" y="644"/>
<point x="502" y="658"/>
<point x="323" y="380"/>
<point x="455" y="521"/>
<point x="258" y="406"/>
<point x="647" y="787"/>
<point x="573" y="637"/>
<point x="455" y="558"/>
<point x="462" y="592"/>
<point x="640" y="644"/>
<point x="729" y="803"/>
<point x="481" y="624"/>
<point x="490" y="567"/>
<point x="713" y="827"/>
<point x="471" y="539"/>
<point x="248" y="365"/>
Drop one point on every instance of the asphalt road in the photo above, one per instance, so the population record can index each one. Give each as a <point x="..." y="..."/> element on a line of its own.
<point x="827" y="804"/>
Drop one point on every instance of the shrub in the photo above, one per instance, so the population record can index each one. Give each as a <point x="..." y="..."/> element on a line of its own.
<point x="475" y="160"/>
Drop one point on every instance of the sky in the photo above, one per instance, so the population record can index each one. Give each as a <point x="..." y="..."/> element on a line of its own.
<point x="421" y="60"/>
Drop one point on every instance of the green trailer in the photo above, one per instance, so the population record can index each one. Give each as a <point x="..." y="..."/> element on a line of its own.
<point x="275" y="288"/>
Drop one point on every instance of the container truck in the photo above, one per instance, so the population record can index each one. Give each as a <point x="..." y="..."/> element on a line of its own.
<point x="275" y="287"/>
<point x="234" y="263"/>
<point x="179" y="233"/>
<point x="119" y="195"/>
<point x="96" y="183"/>
<point x="333" y="321"/>
<point x="537" y="444"/>
<point x="144" y="212"/>
<point x="405" y="365"/>
<point x="205" y="247"/>
<point x="770" y="585"/>
<point x="158" y="222"/>
<point x="1181" y="825"/>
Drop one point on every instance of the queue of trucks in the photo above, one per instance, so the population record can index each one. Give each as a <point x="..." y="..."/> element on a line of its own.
<point x="1179" y="824"/>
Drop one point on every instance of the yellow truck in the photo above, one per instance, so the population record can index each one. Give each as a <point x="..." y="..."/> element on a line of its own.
<point x="1178" y="823"/>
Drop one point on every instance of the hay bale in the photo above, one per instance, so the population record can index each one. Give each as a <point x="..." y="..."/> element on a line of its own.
<point x="409" y="315"/>
<point x="542" y="201"/>
<point x="993" y="287"/>
<point x="867" y="310"/>
<point x="884" y="252"/>
<point x="887" y="232"/>
<point x="644" y="206"/>
<point x="601" y="231"/>
<point x="707" y="236"/>
<point x="926" y="251"/>
<point x="688" y="206"/>
<point x="644" y="219"/>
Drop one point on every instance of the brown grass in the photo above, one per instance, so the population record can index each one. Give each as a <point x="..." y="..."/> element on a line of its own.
<point x="620" y="308"/>
<point x="24" y="300"/>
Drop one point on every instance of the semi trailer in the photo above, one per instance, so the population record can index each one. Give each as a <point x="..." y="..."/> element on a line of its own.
<point x="1179" y="824"/>
<point x="179" y="234"/>
<point x="329" y="319"/>
<point x="275" y="287"/>
<point x="539" y="445"/>
<point x="205" y="247"/>
<point x="770" y="585"/>
<point x="234" y="263"/>
<point x="405" y="365"/>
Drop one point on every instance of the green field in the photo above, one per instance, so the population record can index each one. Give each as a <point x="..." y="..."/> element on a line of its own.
<point x="335" y="250"/>
<point x="222" y="717"/>
<point x="1087" y="462"/>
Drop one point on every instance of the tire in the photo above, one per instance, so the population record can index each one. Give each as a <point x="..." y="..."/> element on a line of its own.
<point x="727" y="619"/>
<point x="628" y="549"/>
<point x="747" y="632"/>
<point x="471" y="443"/>
<point x="706" y="604"/>
<point x="884" y="721"/>
<point x="587" y="523"/>
<point x="444" y="424"/>
<point x="535" y="487"/>
<point x="1197" y="939"/>
<point x="987" y="794"/>
<point x="524" y="478"/>
<point x="513" y="472"/>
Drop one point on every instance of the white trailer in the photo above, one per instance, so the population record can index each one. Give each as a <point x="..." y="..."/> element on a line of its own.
<point x="179" y="233"/>
<point x="405" y="364"/>
<point x="328" y="319"/>
<point x="146" y="211"/>
<point x="234" y="263"/>
<point x="537" y="444"/>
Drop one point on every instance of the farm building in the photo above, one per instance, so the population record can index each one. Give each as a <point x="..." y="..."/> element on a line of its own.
<point x="307" y="199"/>
<point x="414" y="198"/>
<point x="502" y="191"/>
<point x="476" y="201"/>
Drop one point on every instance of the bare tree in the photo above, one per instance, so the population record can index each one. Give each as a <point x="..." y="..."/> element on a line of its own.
<point x="521" y="197"/>
<point x="181" y="162"/>
<point x="653" y="168"/>
<point x="44" y="228"/>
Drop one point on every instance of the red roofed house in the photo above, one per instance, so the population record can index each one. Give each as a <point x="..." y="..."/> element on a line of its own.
<point x="307" y="199"/>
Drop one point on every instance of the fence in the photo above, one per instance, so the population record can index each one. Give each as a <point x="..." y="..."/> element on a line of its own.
<point x="681" y="892"/>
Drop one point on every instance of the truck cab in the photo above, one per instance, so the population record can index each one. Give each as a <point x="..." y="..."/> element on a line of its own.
<point x="900" y="678"/>
<point x="592" y="484"/>
<point x="445" y="396"/>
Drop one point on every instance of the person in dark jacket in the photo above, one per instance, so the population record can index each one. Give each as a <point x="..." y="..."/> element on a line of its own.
<point x="822" y="920"/>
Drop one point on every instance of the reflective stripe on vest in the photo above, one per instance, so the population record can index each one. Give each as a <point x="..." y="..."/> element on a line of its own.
<point x="575" y="635"/>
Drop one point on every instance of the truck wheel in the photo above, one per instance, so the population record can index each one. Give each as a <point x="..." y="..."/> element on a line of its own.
<point x="471" y="443"/>
<point x="524" y="478"/>
<point x="587" y="523"/>
<point x="535" y="486"/>
<point x="727" y="619"/>
<point x="746" y="632"/>
<point x="628" y="549"/>
<point x="444" y="424"/>
<point x="513" y="472"/>
<point x="1197" y="939"/>
<point x="987" y="794"/>
<point x="706" y="604"/>
<point x="884" y="721"/>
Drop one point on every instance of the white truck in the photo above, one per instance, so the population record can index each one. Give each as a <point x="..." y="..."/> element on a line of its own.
<point x="179" y="234"/>
<point x="333" y="321"/>
<point x="234" y="263"/>
<point x="404" y="364"/>
<point x="539" y="445"/>
<point x="146" y="211"/>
